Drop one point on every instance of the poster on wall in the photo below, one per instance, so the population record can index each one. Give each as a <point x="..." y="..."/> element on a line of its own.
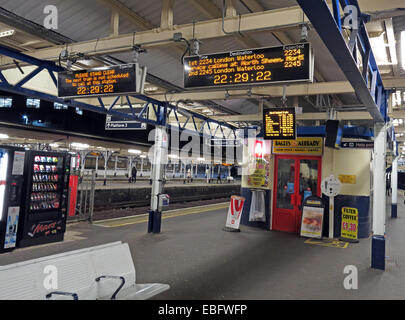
<point x="350" y="222"/>
<point x="259" y="175"/>
<point x="311" y="222"/>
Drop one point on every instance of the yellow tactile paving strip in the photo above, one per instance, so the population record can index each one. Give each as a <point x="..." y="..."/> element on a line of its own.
<point x="125" y="221"/>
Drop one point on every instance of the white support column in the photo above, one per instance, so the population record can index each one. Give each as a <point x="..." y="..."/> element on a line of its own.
<point x="157" y="174"/>
<point x="379" y="197"/>
<point x="129" y="167"/>
<point x="83" y="155"/>
<point x="106" y="155"/>
<point x="96" y="164"/>
<point x="394" y="187"/>
<point x="115" y="165"/>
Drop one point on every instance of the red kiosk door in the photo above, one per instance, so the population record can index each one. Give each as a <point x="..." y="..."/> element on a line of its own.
<point x="295" y="178"/>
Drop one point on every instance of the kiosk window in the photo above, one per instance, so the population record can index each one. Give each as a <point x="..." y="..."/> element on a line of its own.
<point x="285" y="183"/>
<point x="308" y="178"/>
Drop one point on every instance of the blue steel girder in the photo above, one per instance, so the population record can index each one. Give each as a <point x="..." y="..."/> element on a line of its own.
<point x="320" y="16"/>
<point x="160" y="109"/>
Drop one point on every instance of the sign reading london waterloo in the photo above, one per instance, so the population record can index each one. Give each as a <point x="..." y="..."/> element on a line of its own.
<point x="308" y="146"/>
<point x="115" y="80"/>
<point x="289" y="63"/>
<point x="279" y="123"/>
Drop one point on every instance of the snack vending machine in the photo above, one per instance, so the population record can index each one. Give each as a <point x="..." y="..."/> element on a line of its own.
<point x="12" y="166"/>
<point x="46" y="199"/>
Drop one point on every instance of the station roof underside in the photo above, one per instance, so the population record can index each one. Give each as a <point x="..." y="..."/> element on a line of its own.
<point x="88" y="27"/>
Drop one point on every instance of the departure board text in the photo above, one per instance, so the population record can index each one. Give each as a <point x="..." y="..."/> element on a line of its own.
<point x="276" y="64"/>
<point x="279" y="123"/>
<point x="97" y="82"/>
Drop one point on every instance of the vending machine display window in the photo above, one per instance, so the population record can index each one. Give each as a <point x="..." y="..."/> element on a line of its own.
<point x="46" y="200"/>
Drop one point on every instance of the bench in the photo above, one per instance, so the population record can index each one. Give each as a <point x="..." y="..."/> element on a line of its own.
<point x="104" y="272"/>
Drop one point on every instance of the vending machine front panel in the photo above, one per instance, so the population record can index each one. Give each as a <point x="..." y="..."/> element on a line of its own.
<point x="45" y="209"/>
<point x="12" y="164"/>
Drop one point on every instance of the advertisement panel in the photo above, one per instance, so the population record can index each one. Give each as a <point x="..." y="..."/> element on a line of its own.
<point x="350" y="222"/>
<point x="312" y="222"/>
<point x="235" y="212"/>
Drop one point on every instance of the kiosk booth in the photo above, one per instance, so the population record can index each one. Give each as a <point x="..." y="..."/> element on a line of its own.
<point x="293" y="170"/>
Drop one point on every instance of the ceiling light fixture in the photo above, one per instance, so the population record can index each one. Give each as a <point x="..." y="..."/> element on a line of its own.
<point x="79" y="145"/>
<point x="134" y="151"/>
<point x="403" y="49"/>
<point x="4" y="136"/>
<point x="7" y="33"/>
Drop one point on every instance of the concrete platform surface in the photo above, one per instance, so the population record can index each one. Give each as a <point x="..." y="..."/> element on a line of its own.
<point x="200" y="261"/>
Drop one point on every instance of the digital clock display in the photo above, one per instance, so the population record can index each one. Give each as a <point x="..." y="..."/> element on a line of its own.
<point x="279" y="123"/>
<point x="106" y="81"/>
<point x="290" y="63"/>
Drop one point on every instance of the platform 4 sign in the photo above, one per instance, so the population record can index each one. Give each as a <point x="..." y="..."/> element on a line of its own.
<point x="358" y="145"/>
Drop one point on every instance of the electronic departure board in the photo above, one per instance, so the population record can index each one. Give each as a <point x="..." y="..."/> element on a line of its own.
<point x="289" y="63"/>
<point x="115" y="80"/>
<point x="279" y="123"/>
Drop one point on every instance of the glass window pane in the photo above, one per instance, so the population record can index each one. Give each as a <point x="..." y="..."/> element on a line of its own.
<point x="308" y="178"/>
<point x="285" y="183"/>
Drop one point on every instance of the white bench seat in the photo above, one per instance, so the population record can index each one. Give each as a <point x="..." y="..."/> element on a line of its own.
<point x="77" y="272"/>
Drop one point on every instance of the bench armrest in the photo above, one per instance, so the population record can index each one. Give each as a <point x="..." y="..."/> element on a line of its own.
<point x="113" y="277"/>
<point x="61" y="293"/>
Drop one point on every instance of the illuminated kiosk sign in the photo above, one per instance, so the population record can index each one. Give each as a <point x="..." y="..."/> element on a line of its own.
<point x="290" y="63"/>
<point x="115" y="80"/>
<point x="279" y="123"/>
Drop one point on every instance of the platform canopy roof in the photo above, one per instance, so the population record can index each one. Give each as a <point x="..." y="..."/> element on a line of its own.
<point x="104" y="31"/>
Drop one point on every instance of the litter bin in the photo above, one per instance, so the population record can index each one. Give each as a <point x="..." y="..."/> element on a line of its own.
<point x="257" y="206"/>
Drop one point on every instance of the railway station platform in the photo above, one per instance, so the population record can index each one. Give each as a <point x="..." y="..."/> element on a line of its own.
<point x="200" y="261"/>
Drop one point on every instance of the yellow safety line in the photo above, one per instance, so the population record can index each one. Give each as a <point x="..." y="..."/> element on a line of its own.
<point x="331" y="244"/>
<point x="171" y="214"/>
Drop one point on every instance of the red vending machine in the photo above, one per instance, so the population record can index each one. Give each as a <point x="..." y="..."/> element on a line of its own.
<point x="46" y="199"/>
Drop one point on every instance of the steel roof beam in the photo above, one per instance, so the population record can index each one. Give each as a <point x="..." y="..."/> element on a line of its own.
<point x="308" y="89"/>
<point x="210" y="29"/>
<point x="322" y="19"/>
<point x="344" y="115"/>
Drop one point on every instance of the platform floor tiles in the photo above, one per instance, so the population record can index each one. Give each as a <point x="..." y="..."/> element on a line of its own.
<point x="200" y="261"/>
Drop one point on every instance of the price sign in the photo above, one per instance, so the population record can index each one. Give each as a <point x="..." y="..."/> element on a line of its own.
<point x="350" y="222"/>
<point x="115" y="80"/>
<point x="289" y="63"/>
<point x="279" y="123"/>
